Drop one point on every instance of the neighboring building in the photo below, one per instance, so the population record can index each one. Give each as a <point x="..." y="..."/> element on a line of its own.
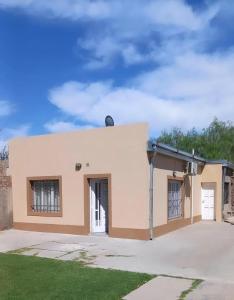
<point x="5" y="195"/>
<point x="111" y="180"/>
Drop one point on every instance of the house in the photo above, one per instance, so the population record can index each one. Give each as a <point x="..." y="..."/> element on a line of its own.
<point x="112" y="180"/>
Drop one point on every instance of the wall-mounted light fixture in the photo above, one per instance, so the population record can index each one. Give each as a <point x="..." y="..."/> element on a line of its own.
<point x="78" y="166"/>
<point x="174" y="173"/>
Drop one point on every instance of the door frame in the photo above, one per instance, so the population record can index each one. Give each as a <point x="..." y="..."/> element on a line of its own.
<point x="102" y="186"/>
<point x="87" y="216"/>
<point x="209" y="185"/>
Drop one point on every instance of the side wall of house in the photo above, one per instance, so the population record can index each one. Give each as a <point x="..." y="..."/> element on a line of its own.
<point x="232" y="193"/>
<point x="119" y="151"/>
<point x="212" y="174"/>
<point x="167" y="167"/>
<point x="5" y="197"/>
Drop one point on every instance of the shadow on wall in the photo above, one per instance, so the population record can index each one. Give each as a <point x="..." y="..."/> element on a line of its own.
<point x="187" y="186"/>
<point x="169" y="163"/>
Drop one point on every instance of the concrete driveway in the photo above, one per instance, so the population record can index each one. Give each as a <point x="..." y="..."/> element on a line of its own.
<point x="204" y="250"/>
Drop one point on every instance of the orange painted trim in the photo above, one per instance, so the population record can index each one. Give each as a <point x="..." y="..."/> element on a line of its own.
<point x="129" y="233"/>
<point x="174" y="225"/>
<point x="70" y="229"/>
<point x="197" y="218"/>
<point x="29" y="197"/>
<point x="126" y="233"/>
<point x="2" y="227"/>
<point x="175" y="178"/>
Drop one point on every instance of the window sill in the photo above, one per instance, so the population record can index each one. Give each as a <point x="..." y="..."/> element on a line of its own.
<point x="175" y="219"/>
<point x="45" y="214"/>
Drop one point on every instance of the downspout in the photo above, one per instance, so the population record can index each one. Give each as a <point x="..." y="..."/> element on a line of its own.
<point x="151" y="195"/>
<point x="192" y="187"/>
<point x="224" y="172"/>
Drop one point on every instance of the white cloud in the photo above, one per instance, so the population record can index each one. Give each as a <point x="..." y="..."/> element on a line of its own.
<point x="68" y="9"/>
<point x="59" y="126"/>
<point x="5" y="108"/>
<point x="164" y="27"/>
<point x="186" y="86"/>
<point x="170" y="12"/>
<point x="187" y="93"/>
<point x="76" y="98"/>
<point x="192" y="76"/>
<point x="9" y="133"/>
<point x="123" y="25"/>
<point x="132" y="56"/>
<point x="102" y="50"/>
<point x="175" y="13"/>
<point x="62" y="126"/>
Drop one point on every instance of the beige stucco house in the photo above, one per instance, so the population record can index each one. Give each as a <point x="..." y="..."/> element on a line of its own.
<point x="112" y="180"/>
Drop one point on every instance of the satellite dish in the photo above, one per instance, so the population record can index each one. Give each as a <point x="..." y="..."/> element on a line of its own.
<point x="109" y="121"/>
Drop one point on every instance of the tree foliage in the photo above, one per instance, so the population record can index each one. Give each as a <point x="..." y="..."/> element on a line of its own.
<point x="214" y="142"/>
<point x="4" y="153"/>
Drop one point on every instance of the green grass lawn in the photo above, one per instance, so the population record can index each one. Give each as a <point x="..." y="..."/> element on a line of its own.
<point x="29" y="278"/>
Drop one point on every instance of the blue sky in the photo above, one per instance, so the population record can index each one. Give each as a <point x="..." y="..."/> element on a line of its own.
<point x="65" y="64"/>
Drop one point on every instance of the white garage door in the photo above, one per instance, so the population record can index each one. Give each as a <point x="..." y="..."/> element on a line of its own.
<point x="207" y="203"/>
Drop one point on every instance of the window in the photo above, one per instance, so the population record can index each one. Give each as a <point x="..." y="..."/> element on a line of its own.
<point x="226" y="193"/>
<point x="44" y="196"/>
<point x="174" y="199"/>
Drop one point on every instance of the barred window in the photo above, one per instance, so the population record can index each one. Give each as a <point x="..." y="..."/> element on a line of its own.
<point x="45" y="196"/>
<point x="174" y="199"/>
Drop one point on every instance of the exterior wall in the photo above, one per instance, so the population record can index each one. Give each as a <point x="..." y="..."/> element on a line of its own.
<point x="165" y="167"/>
<point x="212" y="174"/>
<point x="5" y="197"/>
<point x="227" y="207"/>
<point x="197" y="182"/>
<point x="232" y="193"/>
<point x="119" y="151"/>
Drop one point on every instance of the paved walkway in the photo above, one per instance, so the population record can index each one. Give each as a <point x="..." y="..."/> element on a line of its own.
<point x="160" y="288"/>
<point x="203" y="251"/>
<point x="212" y="290"/>
<point x="168" y="288"/>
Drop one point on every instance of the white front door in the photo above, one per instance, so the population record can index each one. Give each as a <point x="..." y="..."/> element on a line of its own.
<point x="207" y="205"/>
<point x="99" y="205"/>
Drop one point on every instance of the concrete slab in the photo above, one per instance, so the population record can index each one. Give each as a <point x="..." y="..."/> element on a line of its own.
<point x="50" y="253"/>
<point x="16" y="239"/>
<point x="82" y="256"/>
<point x="31" y="252"/>
<point x="159" y="288"/>
<point x="212" y="290"/>
<point x="71" y="256"/>
<point x="58" y="246"/>
<point x="204" y="250"/>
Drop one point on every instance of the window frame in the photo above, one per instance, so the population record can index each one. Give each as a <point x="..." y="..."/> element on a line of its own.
<point x="30" y="212"/>
<point x="181" y="181"/>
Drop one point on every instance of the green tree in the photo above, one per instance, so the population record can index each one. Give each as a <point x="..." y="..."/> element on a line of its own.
<point x="214" y="142"/>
